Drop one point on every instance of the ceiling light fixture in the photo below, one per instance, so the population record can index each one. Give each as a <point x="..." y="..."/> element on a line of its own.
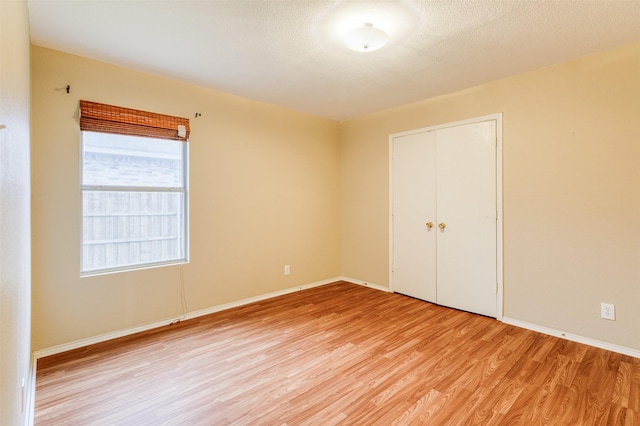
<point x="366" y="38"/>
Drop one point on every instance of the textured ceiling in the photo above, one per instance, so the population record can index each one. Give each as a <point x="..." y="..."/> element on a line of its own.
<point x="290" y="52"/>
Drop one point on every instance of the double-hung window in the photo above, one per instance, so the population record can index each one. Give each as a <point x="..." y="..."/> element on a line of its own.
<point x="134" y="183"/>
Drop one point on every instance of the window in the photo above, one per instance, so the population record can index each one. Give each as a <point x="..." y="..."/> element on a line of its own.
<point x="134" y="193"/>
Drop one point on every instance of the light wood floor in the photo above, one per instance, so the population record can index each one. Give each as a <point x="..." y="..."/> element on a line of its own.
<point x="338" y="354"/>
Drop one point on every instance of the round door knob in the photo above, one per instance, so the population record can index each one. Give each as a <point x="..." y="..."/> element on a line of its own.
<point x="442" y="225"/>
<point x="429" y="225"/>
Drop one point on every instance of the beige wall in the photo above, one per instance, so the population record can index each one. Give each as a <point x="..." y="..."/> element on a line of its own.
<point x="571" y="164"/>
<point x="15" y="258"/>
<point x="271" y="187"/>
<point x="265" y="185"/>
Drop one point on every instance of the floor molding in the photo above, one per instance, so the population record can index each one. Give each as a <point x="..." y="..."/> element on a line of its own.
<point x="30" y="393"/>
<point x="242" y="302"/>
<point x="30" y="387"/>
<point x="195" y="314"/>
<point x="574" y="338"/>
<point x="366" y="284"/>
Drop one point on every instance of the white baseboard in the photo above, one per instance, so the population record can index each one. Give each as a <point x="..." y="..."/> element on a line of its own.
<point x="121" y="333"/>
<point x="366" y="284"/>
<point x="99" y="338"/>
<point x="574" y="338"/>
<point x="30" y="393"/>
<point x="30" y="386"/>
<point x="242" y="302"/>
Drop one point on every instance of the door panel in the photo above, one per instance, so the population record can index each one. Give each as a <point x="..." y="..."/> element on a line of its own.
<point x="414" y="204"/>
<point x="466" y="191"/>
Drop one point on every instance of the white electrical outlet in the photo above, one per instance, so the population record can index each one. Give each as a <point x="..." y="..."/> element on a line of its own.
<point x="287" y="269"/>
<point x="608" y="311"/>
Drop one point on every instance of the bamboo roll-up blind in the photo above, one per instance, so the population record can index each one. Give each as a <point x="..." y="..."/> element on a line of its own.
<point x="95" y="117"/>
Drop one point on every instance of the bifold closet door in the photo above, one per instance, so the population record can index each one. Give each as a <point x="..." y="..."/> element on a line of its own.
<point x="466" y="205"/>
<point x="414" y="215"/>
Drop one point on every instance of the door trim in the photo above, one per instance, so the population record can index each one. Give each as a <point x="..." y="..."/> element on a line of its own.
<point x="499" y="223"/>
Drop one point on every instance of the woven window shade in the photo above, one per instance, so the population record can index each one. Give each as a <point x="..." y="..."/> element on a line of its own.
<point x="95" y="117"/>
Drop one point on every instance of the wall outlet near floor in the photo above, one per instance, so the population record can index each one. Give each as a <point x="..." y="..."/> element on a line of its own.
<point x="287" y="269"/>
<point x="608" y="311"/>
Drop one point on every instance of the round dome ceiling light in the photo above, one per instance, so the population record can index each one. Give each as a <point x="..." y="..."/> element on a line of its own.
<point x="366" y="38"/>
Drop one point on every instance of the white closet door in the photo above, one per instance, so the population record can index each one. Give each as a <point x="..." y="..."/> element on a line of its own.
<point x="466" y="191"/>
<point x="414" y="205"/>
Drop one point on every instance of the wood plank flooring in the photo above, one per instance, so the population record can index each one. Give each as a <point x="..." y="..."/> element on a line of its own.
<point x="338" y="354"/>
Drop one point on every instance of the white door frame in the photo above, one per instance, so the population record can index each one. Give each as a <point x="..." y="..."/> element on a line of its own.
<point x="499" y="231"/>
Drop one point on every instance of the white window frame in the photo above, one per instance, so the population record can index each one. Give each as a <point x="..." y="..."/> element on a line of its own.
<point x="126" y="188"/>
